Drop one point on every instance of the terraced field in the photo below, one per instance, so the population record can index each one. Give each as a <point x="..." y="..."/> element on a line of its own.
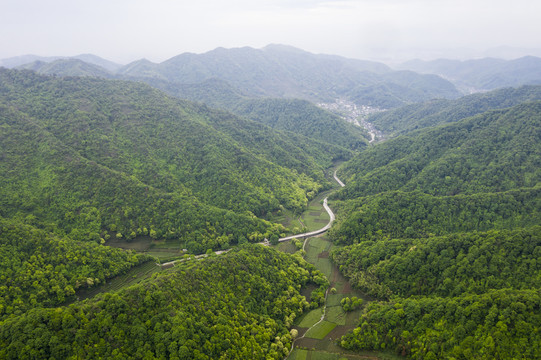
<point x="132" y="277"/>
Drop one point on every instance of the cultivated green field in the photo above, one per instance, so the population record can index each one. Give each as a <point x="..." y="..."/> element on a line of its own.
<point x="310" y="318"/>
<point x="321" y="330"/>
<point x="315" y="217"/>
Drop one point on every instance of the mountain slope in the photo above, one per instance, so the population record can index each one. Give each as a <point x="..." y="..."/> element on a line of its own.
<point x="495" y="151"/>
<point x="483" y="74"/>
<point x="245" y="313"/>
<point x="417" y="116"/>
<point x="278" y="71"/>
<point x="438" y="223"/>
<point x="476" y="174"/>
<point x="18" y="61"/>
<point x="143" y="160"/>
<point x="302" y="117"/>
<point x="294" y="115"/>
<point x="67" y="67"/>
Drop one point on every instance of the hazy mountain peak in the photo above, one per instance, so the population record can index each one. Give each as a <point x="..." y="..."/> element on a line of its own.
<point x="284" y="48"/>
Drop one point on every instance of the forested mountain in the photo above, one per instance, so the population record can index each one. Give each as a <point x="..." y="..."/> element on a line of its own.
<point x="85" y="159"/>
<point x="87" y="58"/>
<point x="475" y="174"/>
<point x="302" y="117"/>
<point x="39" y="269"/>
<point x="88" y="156"/>
<point x="417" y="116"/>
<point x="245" y="313"/>
<point x="281" y="71"/>
<point x="482" y="74"/>
<point x="441" y="225"/>
<point x="294" y="115"/>
<point x="395" y="89"/>
<point x="438" y="226"/>
<point x="492" y="152"/>
<point x="67" y="67"/>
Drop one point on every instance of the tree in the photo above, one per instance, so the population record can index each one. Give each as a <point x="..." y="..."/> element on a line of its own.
<point x="274" y="239"/>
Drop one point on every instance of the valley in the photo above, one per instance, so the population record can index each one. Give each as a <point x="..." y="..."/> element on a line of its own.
<point x="226" y="205"/>
<point x="356" y="115"/>
<point x="319" y="329"/>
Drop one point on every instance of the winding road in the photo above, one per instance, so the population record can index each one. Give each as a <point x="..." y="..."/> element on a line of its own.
<point x="315" y="232"/>
<point x="338" y="180"/>
<point x="287" y="238"/>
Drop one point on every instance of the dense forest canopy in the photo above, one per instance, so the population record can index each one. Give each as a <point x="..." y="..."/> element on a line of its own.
<point x="441" y="226"/>
<point x="440" y="111"/>
<point x="238" y="305"/>
<point x="294" y="115"/>
<point x="90" y="157"/>
<point x="438" y="226"/>
<point x="492" y="152"/>
<point x="39" y="269"/>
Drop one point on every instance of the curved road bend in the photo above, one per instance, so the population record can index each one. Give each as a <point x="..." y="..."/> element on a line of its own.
<point x="287" y="238"/>
<point x="315" y="232"/>
<point x="338" y="180"/>
<point x="323" y="229"/>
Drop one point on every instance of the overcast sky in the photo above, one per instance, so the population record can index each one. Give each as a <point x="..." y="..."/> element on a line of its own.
<point x="127" y="30"/>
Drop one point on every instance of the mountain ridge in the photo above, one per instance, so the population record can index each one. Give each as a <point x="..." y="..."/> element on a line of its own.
<point x="482" y="74"/>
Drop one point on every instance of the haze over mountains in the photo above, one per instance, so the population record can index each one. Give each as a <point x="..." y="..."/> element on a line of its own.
<point x="274" y="71"/>
<point x="284" y="71"/>
<point x="482" y="74"/>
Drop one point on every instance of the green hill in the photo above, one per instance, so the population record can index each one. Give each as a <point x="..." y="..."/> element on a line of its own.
<point x="484" y="74"/>
<point x="441" y="226"/>
<point x="91" y="157"/>
<point x="304" y="118"/>
<point x="398" y="88"/>
<point x="418" y="116"/>
<point x="67" y="67"/>
<point x="39" y="269"/>
<point x="492" y="152"/>
<point x="294" y="115"/>
<point x="237" y="305"/>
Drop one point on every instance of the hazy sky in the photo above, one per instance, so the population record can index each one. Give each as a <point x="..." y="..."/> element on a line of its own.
<point x="127" y="30"/>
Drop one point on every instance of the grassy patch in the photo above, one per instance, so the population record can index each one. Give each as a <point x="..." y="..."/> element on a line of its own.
<point x="310" y="318"/>
<point x="320" y="330"/>
<point x="336" y="315"/>
<point x="315" y="216"/>
<point x="165" y="254"/>
<point x="286" y="218"/>
<point x="287" y="247"/>
<point x="315" y="246"/>
<point x="325" y="266"/>
<point x="314" y="222"/>
<point x="298" y="354"/>
<point x="320" y="355"/>
<point x="140" y="243"/>
<point x="334" y="299"/>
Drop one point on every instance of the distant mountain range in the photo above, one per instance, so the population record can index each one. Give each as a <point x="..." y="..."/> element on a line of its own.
<point x="18" y="61"/>
<point x="280" y="71"/>
<point x="481" y="74"/>
<point x="432" y="113"/>
<point x="274" y="71"/>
